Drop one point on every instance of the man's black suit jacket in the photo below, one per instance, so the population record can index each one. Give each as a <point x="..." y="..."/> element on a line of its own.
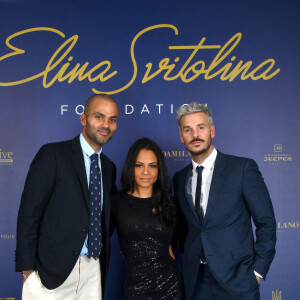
<point x="53" y="218"/>
<point x="237" y="195"/>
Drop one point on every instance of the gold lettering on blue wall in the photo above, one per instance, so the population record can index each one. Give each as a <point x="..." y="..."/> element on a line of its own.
<point x="62" y="66"/>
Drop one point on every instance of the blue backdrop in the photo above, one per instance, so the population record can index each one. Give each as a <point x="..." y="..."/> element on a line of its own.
<point x="239" y="57"/>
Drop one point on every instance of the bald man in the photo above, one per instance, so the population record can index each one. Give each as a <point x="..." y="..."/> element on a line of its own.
<point x="63" y="221"/>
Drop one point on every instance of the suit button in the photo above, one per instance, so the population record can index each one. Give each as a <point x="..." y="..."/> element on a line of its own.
<point x="83" y="230"/>
<point x="75" y="253"/>
<point x="203" y="232"/>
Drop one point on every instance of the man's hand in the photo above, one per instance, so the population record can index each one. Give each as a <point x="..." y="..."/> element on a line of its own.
<point x="258" y="279"/>
<point x="26" y="274"/>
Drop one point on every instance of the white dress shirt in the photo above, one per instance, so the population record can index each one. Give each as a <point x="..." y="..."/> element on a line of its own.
<point x="87" y="151"/>
<point x="207" y="173"/>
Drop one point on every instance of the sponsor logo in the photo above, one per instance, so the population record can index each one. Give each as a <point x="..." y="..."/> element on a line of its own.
<point x="6" y="157"/>
<point x="278" y="157"/>
<point x="284" y="226"/>
<point x="7" y="236"/>
<point x="177" y="155"/>
<point x="276" y="295"/>
<point x="277" y="148"/>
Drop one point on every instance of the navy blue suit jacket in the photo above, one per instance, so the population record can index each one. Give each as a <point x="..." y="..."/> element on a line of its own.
<point x="237" y="194"/>
<point x="53" y="218"/>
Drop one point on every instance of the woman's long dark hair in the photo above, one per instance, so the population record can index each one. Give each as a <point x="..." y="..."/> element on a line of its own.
<point x="162" y="202"/>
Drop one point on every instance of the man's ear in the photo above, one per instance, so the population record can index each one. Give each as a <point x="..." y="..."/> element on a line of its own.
<point x="180" y="133"/>
<point x="83" y="119"/>
<point x="212" y="131"/>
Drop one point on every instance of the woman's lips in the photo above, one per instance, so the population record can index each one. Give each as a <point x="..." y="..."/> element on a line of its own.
<point x="145" y="179"/>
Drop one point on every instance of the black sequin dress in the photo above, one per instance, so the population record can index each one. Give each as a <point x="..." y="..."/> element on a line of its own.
<point x="152" y="273"/>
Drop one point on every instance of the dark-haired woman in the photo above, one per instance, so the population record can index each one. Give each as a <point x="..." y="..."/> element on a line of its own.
<point x="144" y="215"/>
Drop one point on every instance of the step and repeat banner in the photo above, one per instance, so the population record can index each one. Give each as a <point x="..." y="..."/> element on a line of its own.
<point x="241" y="58"/>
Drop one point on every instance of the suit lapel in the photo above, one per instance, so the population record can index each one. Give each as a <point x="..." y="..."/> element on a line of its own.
<point x="106" y="187"/>
<point x="216" y="184"/>
<point x="78" y="161"/>
<point x="105" y="175"/>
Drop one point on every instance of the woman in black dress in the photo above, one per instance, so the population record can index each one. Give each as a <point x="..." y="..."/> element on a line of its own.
<point x="144" y="215"/>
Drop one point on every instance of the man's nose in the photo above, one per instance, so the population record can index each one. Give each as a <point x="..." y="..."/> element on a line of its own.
<point x="105" y="123"/>
<point x="195" y="134"/>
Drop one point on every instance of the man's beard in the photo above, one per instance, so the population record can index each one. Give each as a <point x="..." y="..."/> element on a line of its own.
<point x="100" y="140"/>
<point x="199" y="152"/>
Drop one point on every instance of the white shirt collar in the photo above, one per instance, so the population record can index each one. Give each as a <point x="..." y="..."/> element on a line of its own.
<point x="209" y="161"/>
<point x="86" y="147"/>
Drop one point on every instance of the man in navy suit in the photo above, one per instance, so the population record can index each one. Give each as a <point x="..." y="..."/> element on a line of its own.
<point x="58" y="215"/>
<point x="219" y="195"/>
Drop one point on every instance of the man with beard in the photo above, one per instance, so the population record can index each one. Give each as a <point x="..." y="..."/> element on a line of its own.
<point x="63" y="222"/>
<point x="219" y="195"/>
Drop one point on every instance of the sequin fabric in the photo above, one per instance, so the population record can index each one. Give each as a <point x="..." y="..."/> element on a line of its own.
<point x="151" y="272"/>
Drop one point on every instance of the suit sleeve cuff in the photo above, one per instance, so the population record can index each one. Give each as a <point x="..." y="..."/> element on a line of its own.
<point x="257" y="274"/>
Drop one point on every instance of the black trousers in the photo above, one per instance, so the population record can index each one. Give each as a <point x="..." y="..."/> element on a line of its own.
<point x="208" y="288"/>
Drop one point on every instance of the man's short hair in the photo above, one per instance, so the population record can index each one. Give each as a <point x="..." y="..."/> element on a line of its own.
<point x="97" y="96"/>
<point x="194" y="107"/>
